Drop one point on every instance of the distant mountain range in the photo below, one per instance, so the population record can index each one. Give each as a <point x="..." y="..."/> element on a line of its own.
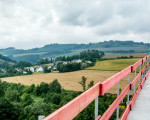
<point x="53" y="50"/>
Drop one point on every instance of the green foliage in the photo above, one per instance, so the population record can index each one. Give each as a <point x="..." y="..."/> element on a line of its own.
<point x="84" y="55"/>
<point x="43" y="88"/>
<point x="30" y="89"/>
<point x="12" y="95"/>
<point x="36" y="109"/>
<point x="6" y="58"/>
<point x="46" y="70"/>
<point x="55" y="87"/>
<point x="45" y="61"/>
<point x="2" y="88"/>
<point x="26" y="99"/>
<point x="66" y="99"/>
<point x="29" y="108"/>
<point x="8" y="111"/>
<point x="22" y="64"/>
<point x="68" y="67"/>
<point x="83" y="83"/>
<point x="91" y="84"/>
<point x="53" y="98"/>
<point x="17" y="87"/>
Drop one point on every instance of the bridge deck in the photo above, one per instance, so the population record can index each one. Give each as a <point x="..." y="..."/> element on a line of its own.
<point x="141" y="108"/>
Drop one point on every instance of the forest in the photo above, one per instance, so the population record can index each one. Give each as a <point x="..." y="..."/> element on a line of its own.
<point x="22" y="102"/>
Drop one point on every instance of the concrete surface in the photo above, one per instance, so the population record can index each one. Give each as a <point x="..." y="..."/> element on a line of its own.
<point x="141" y="108"/>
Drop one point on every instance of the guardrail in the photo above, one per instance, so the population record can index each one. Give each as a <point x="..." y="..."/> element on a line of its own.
<point x="74" y="107"/>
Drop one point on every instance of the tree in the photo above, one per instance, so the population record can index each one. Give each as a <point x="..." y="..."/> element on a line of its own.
<point x="8" y="111"/>
<point x="30" y="89"/>
<point x="2" y="92"/>
<point x="43" y="88"/>
<point x="55" y="98"/>
<point x="12" y="95"/>
<point x="36" y="109"/>
<point x="46" y="70"/>
<point x="91" y="84"/>
<point x="27" y="100"/>
<point x="83" y="83"/>
<point x="55" y="87"/>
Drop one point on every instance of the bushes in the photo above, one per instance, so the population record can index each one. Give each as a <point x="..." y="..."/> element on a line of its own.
<point x="8" y="111"/>
<point x="53" y="98"/>
<point x="69" y="67"/>
<point x="55" y="86"/>
<point x="12" y="95"/>
<point x="21" y="102"/>
<point x="36" y="109"/>
<point x="44" y="88"/>
<point x="26" y="100"/>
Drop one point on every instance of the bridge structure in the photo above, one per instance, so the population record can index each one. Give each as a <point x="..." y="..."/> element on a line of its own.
<point x="74" y="107"/>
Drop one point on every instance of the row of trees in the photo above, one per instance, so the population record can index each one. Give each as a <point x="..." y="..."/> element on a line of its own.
<point x="84" y="55"/>
<point x="69" y="67"/>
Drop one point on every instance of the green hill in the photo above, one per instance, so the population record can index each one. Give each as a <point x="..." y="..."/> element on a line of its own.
<point x="53" y="50"/>
<point x="5" y="61"/>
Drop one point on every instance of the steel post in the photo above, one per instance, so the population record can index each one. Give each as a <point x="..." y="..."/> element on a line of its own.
<point x="96" y="107"/>
<point x="41" y="117"/>
<point x="140" y="76"/>
<point x="118" y="88"/>
<point x="143" y="71"/>
<point x="135" y="84"/>
<point x="128" y="92"/>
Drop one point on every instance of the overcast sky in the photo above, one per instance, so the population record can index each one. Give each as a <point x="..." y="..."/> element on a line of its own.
<point x="34" y="23"/>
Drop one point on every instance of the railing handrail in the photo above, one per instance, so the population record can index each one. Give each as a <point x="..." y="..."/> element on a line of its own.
<point x="74" y="107"/>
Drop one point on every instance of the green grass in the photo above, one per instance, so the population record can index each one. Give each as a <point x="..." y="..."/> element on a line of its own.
<point x="113" y="65"/>
<point x="38" y="72"/>
<point x="36" y="99"/>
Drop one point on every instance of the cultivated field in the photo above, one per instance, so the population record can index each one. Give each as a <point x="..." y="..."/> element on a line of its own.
<point x="113" y="65"/>
<point x="141" y="55"/>
<point x="70" y="81"/>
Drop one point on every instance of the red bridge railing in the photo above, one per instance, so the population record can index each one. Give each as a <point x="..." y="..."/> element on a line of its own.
<point x="74" y="107"/>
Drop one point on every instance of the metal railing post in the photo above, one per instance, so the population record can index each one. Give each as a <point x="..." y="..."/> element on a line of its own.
<point x="96" y="107"/>
<point x="128" y="92"/>
<point x="118" y="88"/>
<point x="140" y="76"/>
<point x="143" y="71"/>
<point x="41" y="117"/>
<point x="135" y="84"/>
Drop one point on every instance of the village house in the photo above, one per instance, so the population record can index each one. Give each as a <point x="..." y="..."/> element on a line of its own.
<point x="89" y="62"/>
<point x="39" y="69"/>
<point x="32" y="69"/>
<point x="24" y="72"/>
<point x="65" y="63"/>
<point x="76" y="61"/>
<point x="18" y="69"/>
<point x="84" y="64"/>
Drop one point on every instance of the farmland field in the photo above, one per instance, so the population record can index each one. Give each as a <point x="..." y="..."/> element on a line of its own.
<point x="113" y="65"/>
<point x="115" y="55"/>
<point x="70" y="81"/>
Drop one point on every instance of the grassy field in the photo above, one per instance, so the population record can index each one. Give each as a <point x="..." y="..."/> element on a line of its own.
<point x="113" y="65"/>
<point x="115" y="55"/>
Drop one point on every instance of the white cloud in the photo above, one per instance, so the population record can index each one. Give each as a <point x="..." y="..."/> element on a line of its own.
<point x="34" y="23"/>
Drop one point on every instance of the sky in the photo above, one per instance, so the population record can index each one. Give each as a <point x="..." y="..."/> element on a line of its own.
<point x="28" y="24"/>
